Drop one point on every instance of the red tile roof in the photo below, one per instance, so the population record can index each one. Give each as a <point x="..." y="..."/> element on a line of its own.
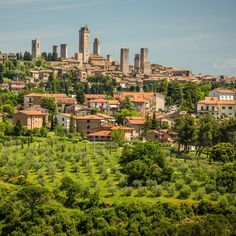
<point x="113" y="102"/>
<point x="55" y="95"/>
<point x="117" y="127"/>
<point x="138" y="94"/>
<point x="135" y="120"/>
<point x="216" y="101"/>
<point x="138" y="100"/>
<point x="65" y="100"/>
<point x="94" y="96"/>
<point x="89" y="117"/>
<point x="222" y="90"/>
<point x="33" y="113"/>
<point x="102" y="133"/>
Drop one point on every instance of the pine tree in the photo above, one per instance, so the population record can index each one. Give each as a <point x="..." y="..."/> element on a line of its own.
<point x="72" y="126"/>
<point x="44" y="125"/>
<point x="154" y="122"/>
<point x="147" y="124"/>
<point x="18" y="128"/>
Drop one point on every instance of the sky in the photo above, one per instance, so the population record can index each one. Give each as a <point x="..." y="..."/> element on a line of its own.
<point x="194" y="34"/>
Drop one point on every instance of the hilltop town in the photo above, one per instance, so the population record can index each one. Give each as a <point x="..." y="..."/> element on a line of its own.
<point x="94" y="95"/>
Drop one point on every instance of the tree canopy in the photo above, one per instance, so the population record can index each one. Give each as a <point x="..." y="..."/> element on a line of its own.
<point x="223" y="152"/>
<point x="50" y="104"/>
<point x="145" y="161"/>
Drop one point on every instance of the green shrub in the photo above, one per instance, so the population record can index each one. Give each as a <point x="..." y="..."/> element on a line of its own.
<point x="171" y="191"/>
<point x="221" y="189"/>
<point x="165" y="185"/>
<point x="156" y="191"/>
<point x="199" y="194"/>
<point x="178" y="185"/>
<point x="215" y="195"/>
<point x="150" y="183"/>
<point x="142" y="191"/>
<point x="127" y="191"/>
<point x="194" y="185"/>
<point x="118" y="175"/>
<point x="231" y="198"/>
<point x="185" y="193"/>
<point x="137" y="183"/>
<point x="209" y="188"/>
<point x="112" y="190"/>
<point x="188" y="180"/>
<point x="104" y="175"/>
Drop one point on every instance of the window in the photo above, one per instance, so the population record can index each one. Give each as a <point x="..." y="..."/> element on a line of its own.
<point x="213" y="108"/>
<point x="62" y="119"/>
<point x="88" y="127"/>
<point x="88" y="121"/>
<point x="207" y="108"/>
<point x="223" y="107"/>
<point x="230" y="108"/>
<point x="201" y="108"/>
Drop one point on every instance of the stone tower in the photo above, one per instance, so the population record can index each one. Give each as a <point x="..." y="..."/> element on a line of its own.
<point x="124" y="60"/>
<point x="55" y="52"/>
<point x="137" y="62"/>
<point x="144" y="64"/>
<point x="84" y="43"/>
<point x="35" y="48"/>
<point x="64" y="51"/>
<point x="97" y="47"/>
<point x="109" y="58"/>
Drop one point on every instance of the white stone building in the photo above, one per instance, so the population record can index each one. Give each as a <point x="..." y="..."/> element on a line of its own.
<point x="64" y="119"/>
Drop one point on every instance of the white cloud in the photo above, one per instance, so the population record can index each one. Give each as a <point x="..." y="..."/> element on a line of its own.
<point x="227" y="64"/>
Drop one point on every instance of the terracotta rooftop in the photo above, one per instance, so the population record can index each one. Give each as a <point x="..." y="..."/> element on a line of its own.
<point x="33" y="113"/>
<point x="113" y="102"/>
<point x="117" y="127"/>
<point x="135" y="120"/>
<point x="89" y="117"/>
<point x="55" y="95"/>
<point x="139" y="93"/>
<point x="94" y="96"/>
<point x="222" y="90"/>
<point x="138" y="100"/>
<point x="65" y="100"/>
<point x="102" y="133"/>
<point x="216" y="101"/>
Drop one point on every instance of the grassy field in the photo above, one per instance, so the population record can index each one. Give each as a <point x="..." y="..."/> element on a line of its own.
<point x="95" y="165"/>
